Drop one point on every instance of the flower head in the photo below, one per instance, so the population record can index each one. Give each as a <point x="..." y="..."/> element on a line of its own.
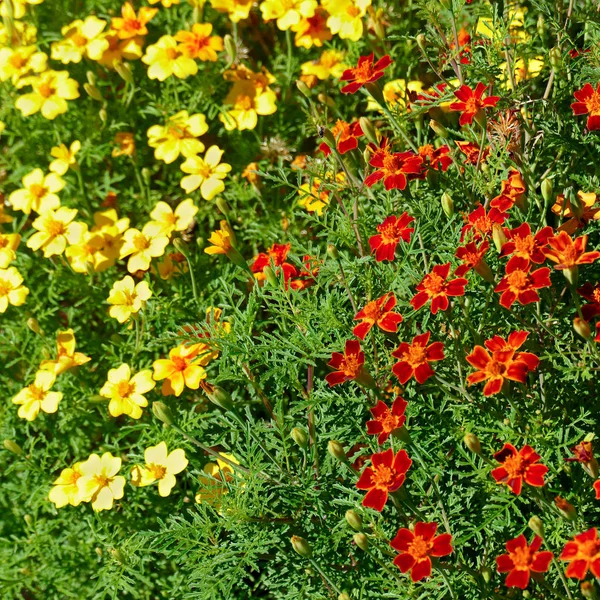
<point x="518" y="466"/>
<point x="142" y="246"/>
<point x="312" y="31"/>
<point x="568" y="253"/>
<point x="162" y="466"/>
<point x="80" y="38"/>
<point x="129" y="24"/>
<point x="588" y="103"/>
<point x="16" y="63"/>
<point x="288" y="13"/>
<point x="9" y="242"/>
<point x="66" y="357"/>
<point x="512" y="192"/>
<point x="390" y="232"/>
<point x="472" y="257"/>
<point x="37" y="396"/>
<point x="480" y="224"/>
<point x="385" y="420"/>
<point x="216" y="478"/>
<point x="345" y="17"/>
<point x="366" y="71"/>
<point x="178" y="135"/>
<point x="346" y="135"/>
<point x="124" y="144"/>
<point x="39" y="192"/>
<point x="414" y="358"/>
<point x="182" y="369"/>
<point x="64" y="158"/>
<point x="205" y="173"/>
<point x="165" y="58"/>
<point x="126" y="392"/>
<point x="64" y="489"/>
<point x="12" y="290"/>
<point x="520" y="283"/>
<point x="221" y="240"/>
<point x="99" y="482"/>
<point x="126" y="298"/>
<point x="522" y="560"/>
<point x="579" y="217"/>
<point x="49" y="95"/>
<point x="199" y="43"/>
<point x="377" y="312"/>
<point x="393" y="167"/>
<point x="471" y="103"/>
<point x="589" y="292"/>
<point x="348" y="366"/>
<point x="436" y="287"/>
<point x="522" y="243"/>
<point x="56" y="229"/>
<point x="168" y="220"/>
<point x="583" y="555"/>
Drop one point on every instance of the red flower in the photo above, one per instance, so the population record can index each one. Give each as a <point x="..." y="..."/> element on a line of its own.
<point x="348" y="365"/>
<point x="597" y="488"/>
<point x="346" y="134"/>
<point x="522" y="559"/>
<point x="582" y="453"/>
<point x="472" y="258"/>
<point x="568" y="253"/>
<point x="386" y="421"/>
<point x="597" y="338"/>
<point x="471" y="102"/>
<point x="436" y="287"/>
<point x="437" y="159"/>
<point x="588" y="102"/>
<point x="521" y="285"/>
<point x="504" y="362"/>
<point x="391" y="231"/>
<point x="583" y="554"/>
<point x="512" y="192"/>
<point x="592" y="294"/>
<point x="276" y="256"/>
<point x="471" y="152"/>
<point x="306" y="276"/>
<point x="417" y="547"/>
<point x="522" y="243"/>
<point x="519" y="466"/>
<point x="377" y="312"/>
<point x="392" y="167"/>
<point x="464" y="39"/>
<point x="481" y="224"/>
<point x="365" y="72"/>
<point x="415" y="358"/>
<point x="386" y="475"/>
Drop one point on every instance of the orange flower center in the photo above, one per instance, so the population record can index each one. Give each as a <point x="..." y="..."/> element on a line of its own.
<point x="180" y="363"/>
<point x="3" y="242"/>
<point x="141" y="242"/>
<point x="517" y="280"/>
<point x="472" y="105"/>
<point x="391" y="164"/>
<point x="158" y="471"/>
<point x="495" y="368"/>
<point x="79" y="40"/>
<point x="371" y="311"/>
<point x="383" y="477"/>
<point x="125" y="389"/>
<point x="588" y="549"/>
<point x="483" y="223"/>
<point x="353" y="11"/>
<point x="389" y="234"/>
<point x="39" y="191"/>
<point x="521" y="558"/>
<point x="514" y="466"/>
<point x="596" y="295"/>
<point x="524" y="245"/>
<point x="419" y="548"/>
<point x="46" y="90"/>
<point x="434" y="285"/>
<point x="36" y="393"/>
<point x="593" y="103"/>
<point x="132" y="25"/>
<point x="389" y="422"/>
<point x="102" y="481"/>
<point x="5" y="287"/>
<point x="350" y="365"/>
<point x="243" y="102"/>
<point x="172" y="53"/>
<point x="342" y="129"/>
<point x="17" y="61"/>
<point x="55" y="228"/>
<point x="416" y="355"/>
<point x="362" y="73"/>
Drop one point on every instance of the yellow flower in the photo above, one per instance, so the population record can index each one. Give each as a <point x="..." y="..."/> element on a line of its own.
<point x="247" y="103"/>
<point x="2" y="128"/>
<point x="99" y="482"/>
<point x="55" y="228"/>
<point x="119" y="50"/>
<point x="522" y="71"/>
<point x="206" y="174"/>
<point x="312" y="197"/>
<point x="198" y="43"/>
<point x="312" y="31"/>
<point x="126" y="393"/>
<point x="173" y="263"/>
<point x="126" y="298"/>
<point x="287" y="12"/>
<point x="9" y="242"/>
<point x="235" y="9"/>
<point x="19" y="7"/>
<point x="37" y="396"/>
<point x="64" y="489"/>
<point x="221" y="240"/>
<point x="178" y="136"/>
<point x="165" y="59"/>
<point x="345" y="17"/>
<point x="23" y="34"/>
<point x="105" y="240"/>
<point x="165" y="3"/>
<point x="130" y="24"/>
<point x="66" y="357"/>
<point x="51" y="90"/>
<point x="4" y="218"/>
<point x="15" y="63"/>
<point x="80" y="38"/>
<point x="214" y="482"/>
<point x="142" y="247"/>
<point x="161" y="466"/>
<point x="64" y="157"/>
<point x="396" y="93"/>
<point x="180" y="370"/>
<point x="38" y="192"/>
<point x="167" y="221"/>
<point x="12" y="290"/>
<point x="329" y="64"/>
<point x="125" y="144"/>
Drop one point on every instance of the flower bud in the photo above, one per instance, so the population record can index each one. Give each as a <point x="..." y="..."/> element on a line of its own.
<point x="301" y="546"/>
<point x="472" y="442"/>
<point x="571" y="274"/>
<point x="13" y="447"/>
<point x="486" y="573"/>
<point x="117" y="555"/>
<point x="222" y="206"/>
<point x="555" y="58"/>
<point x="582" y="328"/>
<point x="588" y="589"/>
<point x="299" y="436"/>
<point x="354" y="520"/>
<point x="421" y="41"/>
<point x="162" y="412"/>
<point x="332" y="251"/>
<point x="91" y="77"/>
<point x="303" y="88"/>
<point x="271" y="276"/>
<point x="34" y="326"/>
<point x="343" y="596"/>
<point x="566" y="508"/>
<point x="547" y="191"/>
<point x="447" y="205"/>
<point x="219" y="397"/>
<point x="483" y="269"/>
<point x="230" y="48"/>
<point x="368" y="130"/>
<point x="536" y="525"/>
<point x="180" y="246"/>
<point x="376" y="92"/>
<point x="541" y="25"/>
<point x="28" y="519"/>
<point x="93" y="92"/>
<point x="498" y="236"/>
<point x="103" y="114"/>
<point x="327" y="100"/>
<point x="147" y="175"/>
<point x="438" y="128"/>
<point x="124" y="71"/>
<point x="575" y="202"/>
<point x="336" y="450"/>
<point x="361" y="540"/>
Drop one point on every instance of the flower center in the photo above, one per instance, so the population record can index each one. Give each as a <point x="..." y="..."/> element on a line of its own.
<point x="102" y="481"/>
<point x="596" y="295"/>
<point x="514" y="466"/>
<point x="523" y="245"/>
<point x="416" y="355"/>
<point x="371" y="311"/>
<point x="350" y="365"/>
<point x="517" y="280"/>
<point x="353" y="11"/>
<point x="79" y="40"/>
<point x="521" y="558"/>
<point x="342" y="129"/>
<point x="5" y="287"/>
<point x="125" y="389"/>
<point x="433" y="284"/>
<point x="36" y="393"/>
<point x="389" y="234"/>
<point x="472" y="105"/>
<point x="158" y="471"/>
<point x="38" y="191"/>
<point x="46" y="90"/>
<point x="180" y="363"/>
<point x="389" y="422"/>
<point x="391" y="164"/>
<point x="17" y="61"/>
<point x="141" y="242"/>
<point x="593" y="103"/>
<point x="383" y="477"/>
<point x="55" y="228"/>
<point x="495" y="368"/>
<point x="419" y="548"/>
<point x="172" y="53"/>
<point x="243" y="102"/>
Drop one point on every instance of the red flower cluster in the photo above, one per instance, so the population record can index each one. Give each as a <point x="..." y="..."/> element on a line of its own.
<point x="391" y="231"/>
<point x="437" y="159"/>
<point x="366" y="71"/>
<point x="276" y="257"/>
<point x="518" y="466"/>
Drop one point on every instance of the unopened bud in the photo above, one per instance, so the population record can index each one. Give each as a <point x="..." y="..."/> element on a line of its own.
<point x="103" y="114"/>
<point x="343" y="596"/>
<point x="34" y="326"/>
<point x="571" y="275"/>
<point x="162" y="412"/>
<point x="555" y="58"/>
<point x="447" y="205"/>
<point x="368" y="130"/>
<point x="326" y="100"/>
<point x="28" y="519"/>
<point x="472" y="442"/>
<point x="222" y="206"/>
<point x="541" y="25"/>
<point x="547" y="191"/>
<point x="332" y="252"/>
<point x="421" y="41"/>
<point x="536" y="525"/>
<point x="566" y="508"/>
<point x="438" y="128"/>
<point x="180" y="245"/>
<point x="588" y="589"/>
<point x="219" y="397"/>
<point x="336" y="450"/>
<point x="117" y="555"/>
<point x="361" y="540"/>
<point x="230" y="48"/>
<point x="91" y="77"/>
<point x="299" y="436"/>
<point x="13" y="447"/>
<point x="124" y="71"/>
<point x="303" y="88"/>
<point x="147" y="175"/>
<point x="354" y="520"/>
<point x="376" y="92"/>
<point x="498" y="236"/>
<point x="270" y="276"/>
<point x="486" y="573"/>
<point x="582" y="328"/>
<point x="93" y="92"/>
<point x="301" y="546"/>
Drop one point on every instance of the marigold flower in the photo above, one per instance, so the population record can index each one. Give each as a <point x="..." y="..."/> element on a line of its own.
<point x="168" y="220"/>
<point x="169" y="3"/>
<point x="588" y="103"/>
<point x="182" y="369"/>
<point x="275" y="256"/>
<point x="127" y="298"/>
<point x="437" y="159"/>
<point x="387" y="474"/>
<point x="313" y="31"/>
<point x="287" y="13"/>
<point x="416" y="549"/>
<point x="583" y="453"/>
<point x="348" y="366"/>
<point x="522" y="560"/>
<point x="39" y="192"/>
<point x="199" y="43"/>
<point x="206" y="174"/>
<point x="66" y="357"/>
<point x="237" y="10"/>
<point x="393" y="168"/>
<point x="583" y="555"/>
<point x="16" y="63"/>
<point x="313" y="197"/>
<point x="391" y="231"/>
<point x="512" y="192"/>
<point x="165" y="58"/>
<point x="49" y="95"/>
<point x="520" y="284"/>
<point x="596" y="487"/>
<point x="377" y="312"/>
<point x="55" y="228"/>
<point x="222" y="240"/>
<point x="366" y="71"/>
<point x="179" y="135"/>
<point x="174" y="263"/>
<point x="130" y="24"/>
<point x="518" y="466"/>
<point x="142" y="247"/>
<point x="472" y="258"/>
<point x="37" y="396"/>
<point x="480" y="224"/>
<point x="125" y="144"/>
<point x="568" y="253"/>
<point x="345" y="17"/>
<point x="471" y="103"/>
<point x="436" y="287"/>
<point x="472" y="152"/>
<point x="414" y="358"/>
<point x="525" y="245"/>
<point x="126" y="392"/>
<point x="346" y="135"/>
<point x="99" y="482"/>
<point x="588" y="291"/>
<point x="80" y="38"/>
<point x="9" y="242"/>
<point x="215" y="479"/>
<point x="386" y="421"/>
<point x="329" y="64"/>
<point x="19" y="8"/>
<point x="64" y="158"/>
<point x="12" y="290"/>
<point x="577" y="219"/>
<point x="161" y="466"/>
<point x="119" y="50"/>
<point x="64" y="489"/>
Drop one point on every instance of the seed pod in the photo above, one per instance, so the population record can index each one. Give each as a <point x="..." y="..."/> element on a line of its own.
<point x="336" y="450"/>
<point x="28" y="519"/>
<point x="301" y="546"/>
<point x="486" y="573"/>
<point x="447" y="205"/>
<point x="162" y="412"/>
<point x="354" y="520"/>
<point x="438" y="128"/>
<point x="547" y="191"/>
<point x="303" y="88"/>
<point x="472" y="442"/>
<point x="91" y="77"/>
<point x="368" y="130"/>
<point x="180" y="246"/>
<point x="219" y="397"/>
<point x="117" y="555"/>
<point x="421" y="41"/>
<point x="230" y="48"/>
<point x="147" y="175"/>
<point x="361" y="540"/>
<point x="327" y="100"/>
<point x="299" y="436"/>
<point x="223" y="206"/>
<point x="555" y="58"/>
<point x="536" y="525"/>
<point x="103" y="114"/>
<point x="582" y="328"/>
<point x="13" y="447"/>
<point x="541" y="25"/>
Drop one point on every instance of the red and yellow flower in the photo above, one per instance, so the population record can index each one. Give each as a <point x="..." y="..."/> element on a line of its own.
<point x="385" y="420"/>
<point x="520" y="283"/>
<point x="588" y="103"/>
<point x="414" y="358"/>
<point x="522" y="560"/>
<point x="348" y="366"/>
<point x="471" y="103"/>
<point x="518" y="466"/>
<point x="391" y="231"/>
<point x="522" y="243"/>
<point x="366" y="71"/>
<point x="583" y="555"/>
<point x="436" y="287"/>
<point x="377" y="312"/>
<point x="393" y="167"/>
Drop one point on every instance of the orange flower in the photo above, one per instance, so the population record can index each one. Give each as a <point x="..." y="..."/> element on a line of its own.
<point x="578" y="218"/>
<point x="512" y="192"/>
<point x="387" y="474"/>
<point x="415" y="358"/>
<point x="276" y="256"/>
<point x="436" y="287"/>
<point x="521" y="243"/>
<point x="391" y="231"/>
<point x="519" y="466"/>
<point x="597" y="488"/>
<point x="392" y="167"/>
<point x="583" y="454"/>
<point x="386" y="421"/>
<point x="416" y="549"/>
<point x="198" y="43"/>
<point x="377" y="312"/>
<point x="130" y="24"/>
<point x="588" y="103"/>
<point x="312" y="31"/>
<point x="437" y="159"/>
<point x="349" y="365"/>
<point x="472" y="258"/>
<point x="520" y="284"/>
<point x="346" y="135"/>
<point x="481" y="224"/>
<point x="471" y="152"/>
<point x="568" y="253"/>
<point x="365" y="72"/>
<point x="471" y="103"/>
<point x="522" y="559"/>
<point x="182" y="369"/>
<point x="583" y="555"/>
